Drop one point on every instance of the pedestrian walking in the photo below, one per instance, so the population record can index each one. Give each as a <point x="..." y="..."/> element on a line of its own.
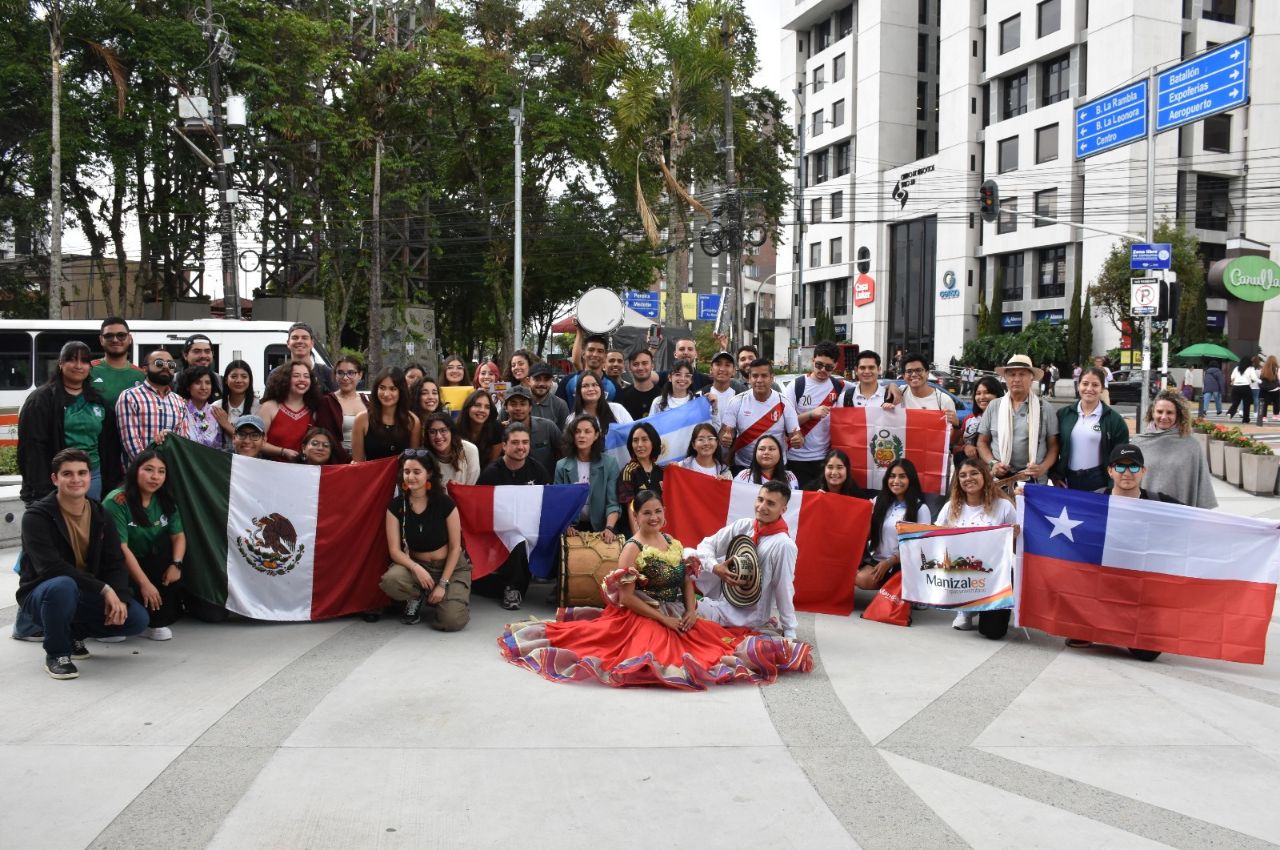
<point x="1214" y="386"/>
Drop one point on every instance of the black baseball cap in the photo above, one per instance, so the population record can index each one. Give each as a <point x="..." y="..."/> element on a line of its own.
<point x="540" y="369"/>
<point x="1127" y="453"/>
<point x="519" y="391"/>
<point x="723" y="355"/>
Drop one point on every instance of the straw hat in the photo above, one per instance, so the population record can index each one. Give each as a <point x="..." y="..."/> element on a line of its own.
<point x="1020" y="361"/>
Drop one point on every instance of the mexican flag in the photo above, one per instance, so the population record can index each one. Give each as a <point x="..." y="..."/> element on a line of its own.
<point x="281" y="541"/>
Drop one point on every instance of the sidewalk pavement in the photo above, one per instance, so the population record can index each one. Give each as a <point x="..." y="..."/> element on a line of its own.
<point x="350" y="735"/>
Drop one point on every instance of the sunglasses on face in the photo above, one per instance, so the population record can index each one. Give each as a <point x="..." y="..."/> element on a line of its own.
<point x="415" y="454"/>
<point x="115" y="337"/>
<point x="165" y="364"/>
<point x="1135" y="468"/>
<point x="823" y="367"/>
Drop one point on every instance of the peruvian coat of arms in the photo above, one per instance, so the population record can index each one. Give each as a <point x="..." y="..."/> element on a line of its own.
<point x="886" y="447"/>
<point x="271" y="546"/>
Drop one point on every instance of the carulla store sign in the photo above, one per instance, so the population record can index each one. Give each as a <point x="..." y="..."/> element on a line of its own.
<point x="1252" y="278"/>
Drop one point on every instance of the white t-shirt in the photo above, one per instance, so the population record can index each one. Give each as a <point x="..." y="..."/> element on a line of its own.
<point x="975" y="516"/>
<point x="620" y="415"/>
<point x="936" y="400"/>
<point x="715" y="471"/>
<point x="818" y="441"/>
<point x="673" y="402"/>
<point x="1086" y="440"/>
<point x="745" y="410"/>
<point x="584" y="477"/>
<point x="745" y="475"/>
<point x="722" y="399"/>
<point x="897" y="513"/>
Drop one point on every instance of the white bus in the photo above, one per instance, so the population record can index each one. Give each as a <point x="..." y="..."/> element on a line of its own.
<point x="29" y="351"/>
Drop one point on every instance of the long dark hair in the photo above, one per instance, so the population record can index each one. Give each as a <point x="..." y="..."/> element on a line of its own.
<point x="692" y="451"/>
<point x="455" y="441"/>
<point x="664" y="400"/>
<point x="487" y="435"/>
<point x="190" y="375"/>
<point x="570" y="447"/>
<point x="654" y="438"/>
<point x="444" y="371"/>
<point x="529" y="358"/>
<point x="278" y="386"/>
<point x="992" y="386"/>
<point x="848" y="488"/>
<point x="133" y="496"/>
<point x="73" y="350"/>
<point x="402" y="416"/>
<point x="335" y="445"/>
<point x="248" y="394"/>
<point x="779" y="471"/>
<point x="914" y="498"/>
<point x="604" y="413"/>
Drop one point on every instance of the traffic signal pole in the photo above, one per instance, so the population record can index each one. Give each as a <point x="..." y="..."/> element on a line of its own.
<point x="1145" y="398"/>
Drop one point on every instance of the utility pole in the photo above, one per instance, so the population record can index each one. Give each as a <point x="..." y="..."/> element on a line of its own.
<point x="797" y="253"/>
<point x="517" y="301"/>
<point x="733" y="203"/>
<point x="226" y="195"/>
<point x="375" y="290"/>
<point x="55" y="162"/>
<point x="1145" y="398"/>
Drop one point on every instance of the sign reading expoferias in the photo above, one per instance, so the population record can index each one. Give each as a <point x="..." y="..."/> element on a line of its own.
<point x="1252" y="278"/>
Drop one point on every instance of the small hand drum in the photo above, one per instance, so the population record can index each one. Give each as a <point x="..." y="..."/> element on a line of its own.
<point x="600" y="311"/>
<point x="744" y="564"/>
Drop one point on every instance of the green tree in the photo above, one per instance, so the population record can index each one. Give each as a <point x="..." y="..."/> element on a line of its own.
<point x="1074" y="321"/>
<point x="1086" y="328"/>
<point x="995" y="312"/>
<point x="824" y="327"/>
<point x="1110" y="292"/>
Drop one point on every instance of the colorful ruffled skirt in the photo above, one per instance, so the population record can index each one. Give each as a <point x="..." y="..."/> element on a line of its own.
<point x="622" y="649"/>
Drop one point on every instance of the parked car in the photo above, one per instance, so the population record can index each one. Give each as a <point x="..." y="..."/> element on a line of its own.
<point x="1126" y="385"/>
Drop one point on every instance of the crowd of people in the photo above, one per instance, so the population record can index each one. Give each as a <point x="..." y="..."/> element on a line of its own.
<point x="103" y="540"/>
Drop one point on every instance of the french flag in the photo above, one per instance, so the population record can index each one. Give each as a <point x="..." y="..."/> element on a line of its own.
<point x="674" y="426"/>
<point x="1147" y="574"/>
<point x="495" y="520"/>
<point x="830" y="530"/>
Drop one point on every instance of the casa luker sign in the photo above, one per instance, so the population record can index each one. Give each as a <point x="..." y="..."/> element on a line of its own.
<point x="1252" y="278"/>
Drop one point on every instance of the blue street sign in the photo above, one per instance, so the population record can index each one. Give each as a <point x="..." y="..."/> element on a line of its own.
<point x="1112" y="120"/>
<point x="1203" y="86"/>
<point x="1158" y="255"/>
<point x="708" y="306"/>
<point x="644" y="303"/>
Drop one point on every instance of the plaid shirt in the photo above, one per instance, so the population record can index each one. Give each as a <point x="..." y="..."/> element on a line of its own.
<point x="142" y="413"/>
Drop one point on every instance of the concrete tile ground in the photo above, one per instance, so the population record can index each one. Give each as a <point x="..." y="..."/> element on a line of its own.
<point x="352" y="735"/>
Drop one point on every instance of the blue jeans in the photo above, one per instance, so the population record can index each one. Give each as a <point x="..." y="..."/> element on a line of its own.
<point x="1204" y="402"/>
<point x="65" y="614"/>
<point x="95" y="485"/>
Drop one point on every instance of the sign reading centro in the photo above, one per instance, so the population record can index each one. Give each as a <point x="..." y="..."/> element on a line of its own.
<point x="1252" y="278"/>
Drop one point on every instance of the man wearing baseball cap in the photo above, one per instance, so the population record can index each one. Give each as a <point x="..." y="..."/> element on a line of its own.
<point x="546" y="403"/>
<point x="544" y="435"/>
<point x="1019" y="430"/>
<point x="723" y="384"/>
<point x="250" y="434"/>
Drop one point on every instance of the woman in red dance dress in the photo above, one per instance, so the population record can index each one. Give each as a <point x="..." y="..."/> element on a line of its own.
<point x="649" y="633"/>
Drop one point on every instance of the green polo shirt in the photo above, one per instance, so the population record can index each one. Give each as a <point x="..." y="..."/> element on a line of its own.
<point x="82" y="422"/>
<point x="110" y="381"/>
<point x="146" y="539"/>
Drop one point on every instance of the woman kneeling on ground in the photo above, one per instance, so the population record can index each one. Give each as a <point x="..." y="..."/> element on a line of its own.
<point x="974" y="502"/>
<point x="424" y="536"/>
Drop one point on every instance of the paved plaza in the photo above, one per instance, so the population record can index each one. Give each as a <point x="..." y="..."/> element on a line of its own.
<point x="352" y="735"/>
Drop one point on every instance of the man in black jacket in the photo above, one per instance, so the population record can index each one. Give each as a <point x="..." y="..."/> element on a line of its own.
<point x="511" y="580"/>
<point x="74" y="583"/>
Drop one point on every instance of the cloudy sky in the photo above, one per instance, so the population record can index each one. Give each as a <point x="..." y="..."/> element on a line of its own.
<point x="767" y="15"/>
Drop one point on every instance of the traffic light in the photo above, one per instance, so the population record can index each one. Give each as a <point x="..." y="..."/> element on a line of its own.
<point x="989" y="200"/>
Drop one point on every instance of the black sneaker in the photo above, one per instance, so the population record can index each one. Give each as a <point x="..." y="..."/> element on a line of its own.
<point x="511" y="599"/>
<point x="413" y="611"/>
<point x="373" y="615"/>
<point x="79" y="652"/>
<point x="60" y="667"/>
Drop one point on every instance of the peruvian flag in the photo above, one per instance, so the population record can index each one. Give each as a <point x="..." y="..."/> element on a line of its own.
<point x="830" y="531"/>
<point x="495" y="520"/>
<point x="281" y="541"/>
<point x="1147" y="574"/>
<point x="874" y="438"/>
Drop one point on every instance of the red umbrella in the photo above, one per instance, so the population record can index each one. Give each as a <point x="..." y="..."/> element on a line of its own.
<point x="567" y="325"/>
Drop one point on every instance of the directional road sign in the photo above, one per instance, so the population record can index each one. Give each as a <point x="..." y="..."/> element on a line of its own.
<point x="1144" y="296"/>
<point x="708" y="306"/>
<point x="1158" y="255"/>
<point x="1112" y="120"/>
<point x="644" y="303"/>
<point x="1200" y="87"/>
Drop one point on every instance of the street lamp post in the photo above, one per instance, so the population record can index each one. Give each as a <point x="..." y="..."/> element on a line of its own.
<point x="516" y="115"/>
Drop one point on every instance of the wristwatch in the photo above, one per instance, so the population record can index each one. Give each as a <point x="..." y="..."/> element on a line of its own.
<point x="444" y="583"/>
<point x="177" y="564"/>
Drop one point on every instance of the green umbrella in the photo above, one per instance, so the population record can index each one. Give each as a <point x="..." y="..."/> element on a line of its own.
<point x="1208" y="349"/>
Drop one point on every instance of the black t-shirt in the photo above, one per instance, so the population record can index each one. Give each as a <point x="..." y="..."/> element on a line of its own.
<point x="427" y="531"/>
<point x="497" y="473"/>
<point x="637" y="401"/>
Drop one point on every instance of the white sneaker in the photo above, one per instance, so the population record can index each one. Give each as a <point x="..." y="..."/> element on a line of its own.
<point x="161" y="633"/>
<point x="112" y="639"/>
<point x="963" y="621"/>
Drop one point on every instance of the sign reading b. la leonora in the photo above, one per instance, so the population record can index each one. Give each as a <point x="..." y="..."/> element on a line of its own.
<point x="1252" y="278"/>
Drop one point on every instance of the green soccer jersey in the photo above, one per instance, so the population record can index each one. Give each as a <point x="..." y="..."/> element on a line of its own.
<point x="146" y="539"/>
<point x="110" y="382"/>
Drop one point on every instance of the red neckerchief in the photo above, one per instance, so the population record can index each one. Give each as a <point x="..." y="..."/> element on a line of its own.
<point x="778" y="526"/>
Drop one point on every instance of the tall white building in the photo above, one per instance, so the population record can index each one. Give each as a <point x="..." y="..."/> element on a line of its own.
<point x="906" y="107"/>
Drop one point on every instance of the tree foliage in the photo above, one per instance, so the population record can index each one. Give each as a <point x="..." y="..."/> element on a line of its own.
<point x="1041" y="341"/>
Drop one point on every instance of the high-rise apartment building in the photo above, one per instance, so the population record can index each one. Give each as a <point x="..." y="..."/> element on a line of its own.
<point x="906" y="107"/>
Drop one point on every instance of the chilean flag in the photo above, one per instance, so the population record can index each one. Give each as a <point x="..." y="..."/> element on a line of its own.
<point x="830" y="530"/>
<point x="495" y="520"/>
<point x="1147" y="574"/>
<point x="874" y="438"/>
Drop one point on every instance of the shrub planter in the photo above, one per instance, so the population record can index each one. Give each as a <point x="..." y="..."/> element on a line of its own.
<point x="1217" y="461"/>
<point x="1232" y="455"/>
<point x="1203" y="440"/>
<point x="1258" y="474"/>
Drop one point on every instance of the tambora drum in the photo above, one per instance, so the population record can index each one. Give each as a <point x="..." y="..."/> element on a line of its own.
<point x="600" y="311"/>
<point x="585" y="561"/>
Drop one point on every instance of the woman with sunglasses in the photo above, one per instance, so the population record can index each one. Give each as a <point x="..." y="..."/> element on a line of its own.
<point x="388" y="427"/>
<point x="478" y="422"/>
<point x="649" y="632"/>
<point x="703" y="453"/>
<point x="340" y="408"/>
<point x="901" y="500"/>
<point x="767" y="463"/>
<point x="589" y="400"/>
<point x="585" y="462"/>
<point x="836" y="477"/>
<point x="975" y="501"/>
<point x="642" y="472"/>
<point x="68" y="413"/>
<point x="424" y="539"/>
<point x="457" y="459"/>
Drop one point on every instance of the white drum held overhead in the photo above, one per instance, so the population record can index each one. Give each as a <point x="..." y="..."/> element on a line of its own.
<point x="600" y="311"/>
